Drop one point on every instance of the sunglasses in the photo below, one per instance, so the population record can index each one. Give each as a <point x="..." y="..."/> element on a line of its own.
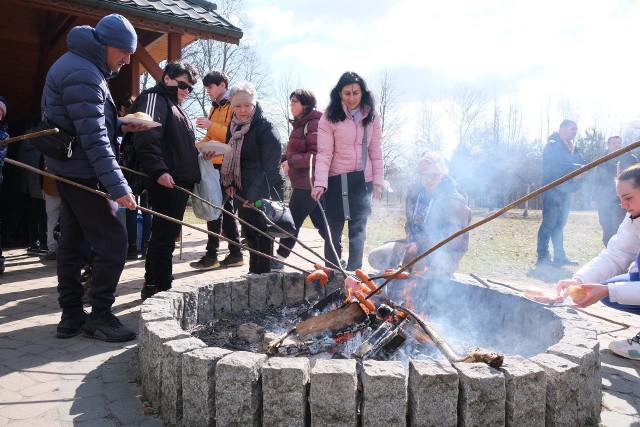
<point x="183" y="86"/>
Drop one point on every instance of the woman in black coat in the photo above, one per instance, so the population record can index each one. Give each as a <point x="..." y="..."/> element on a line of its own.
<point x="252" y="168"/>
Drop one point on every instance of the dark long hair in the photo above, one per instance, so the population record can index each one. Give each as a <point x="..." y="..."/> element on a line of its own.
<point x="335" y="112"/>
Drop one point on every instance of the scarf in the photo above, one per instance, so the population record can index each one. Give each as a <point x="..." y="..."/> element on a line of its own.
<point x="231" y="174"/>
<point x="571" y="146"/>
<point x="422" y="208"/>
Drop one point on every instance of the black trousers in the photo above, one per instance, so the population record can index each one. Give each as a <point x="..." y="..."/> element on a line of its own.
<point x="257" y="264"/>
<point x="302" y="206"/>
<point x="357" y="237"/>
<point x="171" y="202"/>
<point x="86" y="217"/>
<point x="227" y="225"/>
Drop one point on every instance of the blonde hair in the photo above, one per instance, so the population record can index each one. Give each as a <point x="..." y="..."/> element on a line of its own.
<point x="430" y="158"/>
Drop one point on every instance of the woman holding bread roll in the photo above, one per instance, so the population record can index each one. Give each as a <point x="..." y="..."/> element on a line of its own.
<point x="168" y="155"/>
<point x="605" y="277"/>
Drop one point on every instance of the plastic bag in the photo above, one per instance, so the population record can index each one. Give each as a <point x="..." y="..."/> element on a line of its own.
<point x="209" y="189"/>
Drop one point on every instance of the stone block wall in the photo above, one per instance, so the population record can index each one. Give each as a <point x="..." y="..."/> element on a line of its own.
<point x="194" y="385"/>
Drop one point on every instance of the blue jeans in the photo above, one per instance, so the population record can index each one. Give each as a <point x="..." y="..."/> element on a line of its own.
<point x="555" y="212"/>
<point x="633" y="309"/>
<point x="132" y="222"/>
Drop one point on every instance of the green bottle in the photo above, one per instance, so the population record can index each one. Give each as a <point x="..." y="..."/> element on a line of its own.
<point x="258" y="204"/>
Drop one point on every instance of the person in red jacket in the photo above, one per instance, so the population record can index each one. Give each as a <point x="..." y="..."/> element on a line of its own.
<point x="301" y="150"/>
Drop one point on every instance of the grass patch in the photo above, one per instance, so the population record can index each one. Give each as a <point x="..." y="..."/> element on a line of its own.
<point x="502" y="249"/>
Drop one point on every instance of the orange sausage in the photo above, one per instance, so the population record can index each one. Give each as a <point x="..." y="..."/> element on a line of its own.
<point x="323" y="268"/>
<point x="318" y="275"/>
<point x="365" y="279"/>
<point x="402" y="276"/>
<point x="368" y="305"/>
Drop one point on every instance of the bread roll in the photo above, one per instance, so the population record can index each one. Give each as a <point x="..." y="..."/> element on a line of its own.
<point x="141" y="116"/>
<point x="577" y="293"/>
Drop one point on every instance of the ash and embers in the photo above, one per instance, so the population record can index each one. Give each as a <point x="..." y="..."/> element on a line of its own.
<point x="323" y="331"/>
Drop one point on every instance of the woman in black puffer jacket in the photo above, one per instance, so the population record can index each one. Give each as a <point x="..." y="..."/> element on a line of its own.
<point x="252" y="168"/>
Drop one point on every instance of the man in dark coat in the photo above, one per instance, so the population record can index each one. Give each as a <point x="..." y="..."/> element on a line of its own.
<point x="559" y="158"/>
<point x="76" y="99"/>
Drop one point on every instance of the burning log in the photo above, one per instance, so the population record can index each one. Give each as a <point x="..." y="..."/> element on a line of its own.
<point x="382" y="343"/>
<point x="477" y="355"/>
<point x="347" y="318"/>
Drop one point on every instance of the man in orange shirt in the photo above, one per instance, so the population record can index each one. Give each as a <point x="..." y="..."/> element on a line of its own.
<point x="217" y="83"/>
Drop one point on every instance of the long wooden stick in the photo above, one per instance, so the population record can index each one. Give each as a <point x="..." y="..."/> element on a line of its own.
<point x="29" y="136"/>
<point x="326" y="223"/>
<point x="507" y="208"/>
<point x="494" y="360"/>
<point x="300" y="242"/>
<point x="606" y="319"/>
<point x="149" y="211"/>
<point x="222" y="209"/>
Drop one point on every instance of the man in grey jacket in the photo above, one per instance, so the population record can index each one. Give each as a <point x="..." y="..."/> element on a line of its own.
<point x="77" y="100"/>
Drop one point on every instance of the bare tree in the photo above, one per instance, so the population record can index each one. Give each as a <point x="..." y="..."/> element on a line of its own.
<point x="465" y="107"/>
<point x="287" y="83"/>
<point x="545" y="118"/>
<point x="428" y="136"/>
<point x="567" y="109"/>
<point x="497" y="122"/>
<point x="513" y="125"/>
<point x="605" y="120"/>
<point x="391" y="122"/>
<point x="238" y="62"/>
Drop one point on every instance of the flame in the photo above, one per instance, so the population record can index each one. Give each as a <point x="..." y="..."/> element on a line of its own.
<point x="406" y="293"/>
<point x="343" y="338"/>
<point x="349" y="296"/>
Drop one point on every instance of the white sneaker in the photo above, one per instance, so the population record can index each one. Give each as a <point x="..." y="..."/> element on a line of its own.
<point x="627" y="348"/>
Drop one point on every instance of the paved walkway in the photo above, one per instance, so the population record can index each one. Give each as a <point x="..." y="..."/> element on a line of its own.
<point x="46" y="381"/>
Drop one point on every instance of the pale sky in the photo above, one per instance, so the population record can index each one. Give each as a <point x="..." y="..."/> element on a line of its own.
<point x="584" y="51"/>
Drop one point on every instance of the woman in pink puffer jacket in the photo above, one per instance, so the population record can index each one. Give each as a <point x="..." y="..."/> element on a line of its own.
<point x="349" y="160"/>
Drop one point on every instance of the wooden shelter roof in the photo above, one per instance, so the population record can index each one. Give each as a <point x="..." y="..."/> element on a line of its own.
<point x="34" y="36"/>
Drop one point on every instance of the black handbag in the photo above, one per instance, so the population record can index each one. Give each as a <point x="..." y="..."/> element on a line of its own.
<point x="129" y="159"/>
<point x="348" y="197"/>
<point x="274" y="212"/>
<point x="58" y="146"/>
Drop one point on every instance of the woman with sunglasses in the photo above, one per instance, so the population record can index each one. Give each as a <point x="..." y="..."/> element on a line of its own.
<point x="435" y="209"/>
<point x="168" y="155"/>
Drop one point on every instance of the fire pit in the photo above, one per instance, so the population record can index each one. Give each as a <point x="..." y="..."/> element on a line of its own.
<point x="550" y="375"/>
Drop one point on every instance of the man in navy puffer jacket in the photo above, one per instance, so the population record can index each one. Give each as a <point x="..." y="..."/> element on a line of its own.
<point x="76" y="99"/>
